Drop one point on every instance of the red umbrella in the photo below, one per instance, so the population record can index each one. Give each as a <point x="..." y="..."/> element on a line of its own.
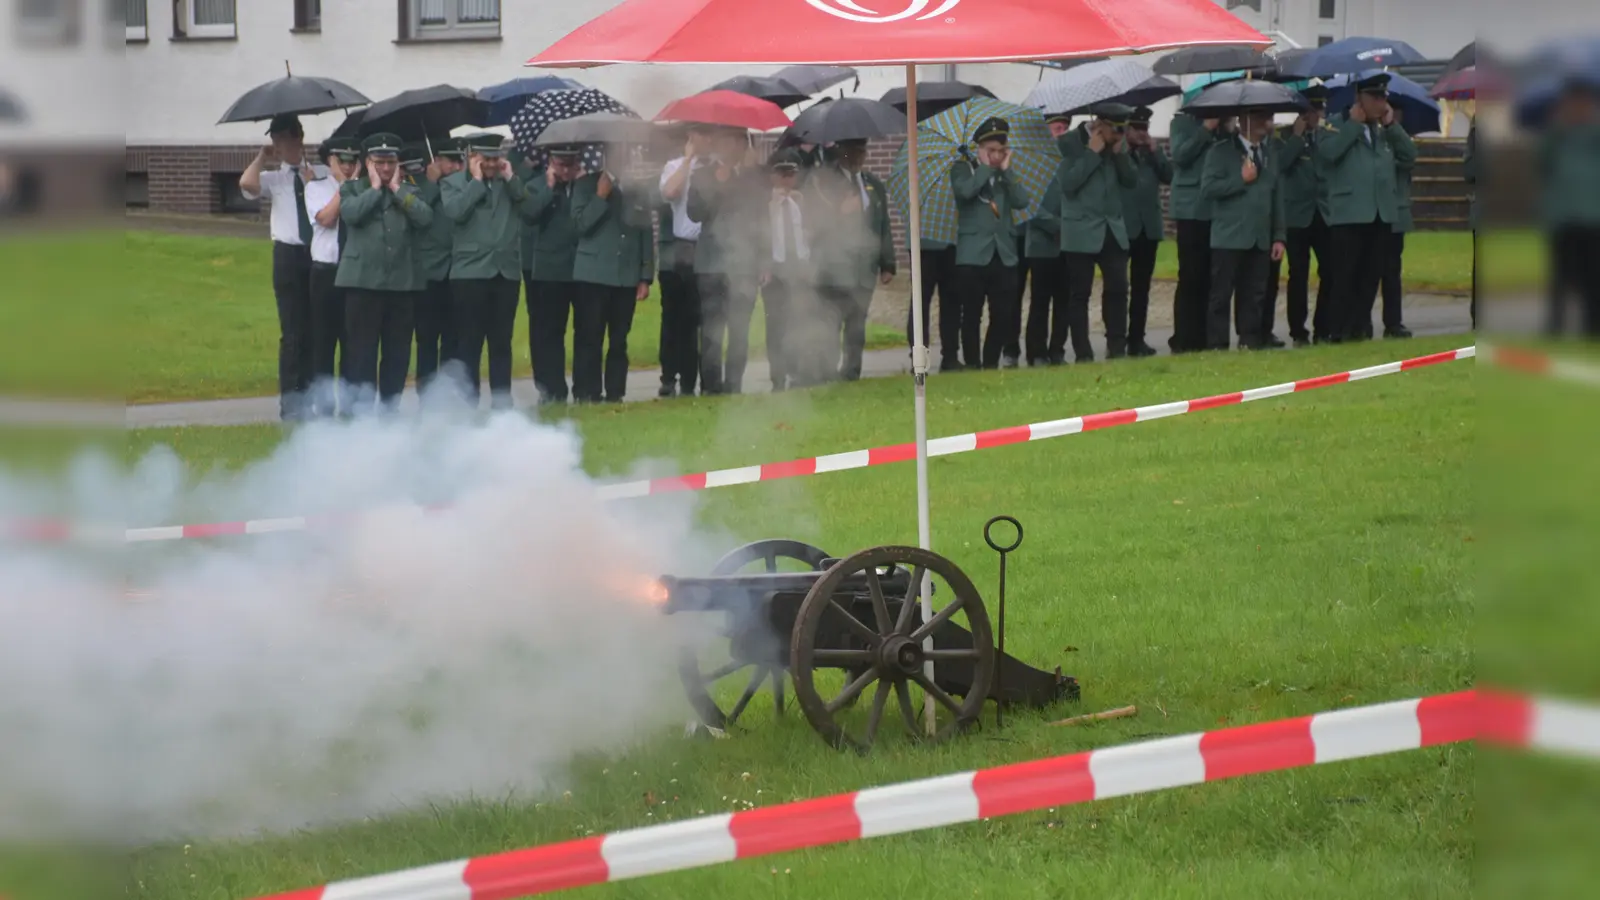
<point x="848" y="32"/>
<point x="729" y="108"/>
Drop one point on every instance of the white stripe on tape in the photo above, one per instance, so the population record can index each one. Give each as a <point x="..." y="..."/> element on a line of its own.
<point x="1565" y="727"/>
<point x="1058" y="428"/>
<point x="1392" y="368"/>
<point x="1466" y="352"/>
<point x="1262" y="393"/>
<point x="267" y="526"/>
<point x="726" y="477"/>
<point x="960" y="443"/>
<point x="162" y="533"/>
<point x="626" y="490"/>
<point x="1151" y="766"/>
<point x="929" y="803"/>
<point x="667" y="848"/>
<point x="838" y="462"/>
<point x="446" y="881"/>
<point x="1161" y="411"/>
<point x="1370" y="730"/>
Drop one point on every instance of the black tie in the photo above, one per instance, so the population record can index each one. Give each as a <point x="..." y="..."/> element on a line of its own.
<point x="300" y="208"/>
<point x="1255" y="155"/>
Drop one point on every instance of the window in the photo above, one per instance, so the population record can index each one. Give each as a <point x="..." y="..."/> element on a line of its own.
<point x="1324" y="40"/>
<point x="307" y="15"/>
<point x="205" y="18"/>
<point x="1327" y="9"/>
<point x="1253" y="4"/>
<point x="47" y="21"/>
<point x="430" y="20"/>
<point x="136" y="19"/>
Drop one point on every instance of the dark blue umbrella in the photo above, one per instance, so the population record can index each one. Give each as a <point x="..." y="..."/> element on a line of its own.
<point x="1419" y="113"/>
<point x="1353" y="54"/>
<point x="1553" y="67"/>
<point x="507" y="98"/>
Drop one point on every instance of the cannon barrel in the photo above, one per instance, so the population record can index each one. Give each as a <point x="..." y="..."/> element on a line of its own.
<point x="734" y="593"/>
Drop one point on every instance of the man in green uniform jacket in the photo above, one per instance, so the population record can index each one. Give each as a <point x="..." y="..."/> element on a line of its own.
<point x="436" y="330"/>
<point x="1191" y="214"/>
<point x="613" y="268"/>
<point x="1247" y="231"/>
<point x="1569" y="167"/>
<point x="488" y="204"/>
<point x="1360" y="157"/>
<point x="548" y="269"/>
<point x="1095" y="170"/>
<point x="1046" y="340"/>
<point x="852" y="249"/>
<point x="1391" y="280"/>
<point x="986" y="194"/>
<point x="383" y="217"/>
<point x="1141" y="213"/>
<point x="1294" y="148"/>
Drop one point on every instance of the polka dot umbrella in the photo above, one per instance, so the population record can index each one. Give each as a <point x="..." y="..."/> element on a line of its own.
<point x="550" y="107"/>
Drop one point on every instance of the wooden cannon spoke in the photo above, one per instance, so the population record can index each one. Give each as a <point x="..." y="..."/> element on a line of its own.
<point x="756" y="678"/>
<point x="937" y="693"/>
<point x="939" y="618"/>
<point x="907" y="712"/>
<point x="824" y="656"/>
<point x="913" y="596"/>
<point x="880" y="606"/>
<point x="879" y="700"/>
<point x="951" y="655"/>
<point x="872" y="638"/>
<point x="852" y="691"/>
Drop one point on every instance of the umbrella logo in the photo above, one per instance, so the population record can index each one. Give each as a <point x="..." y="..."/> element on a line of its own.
<point x="1377" y="53"/>
<point x="855" y="12"/>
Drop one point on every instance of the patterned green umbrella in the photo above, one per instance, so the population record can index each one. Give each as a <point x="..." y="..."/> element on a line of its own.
<point x="940" y="141"/>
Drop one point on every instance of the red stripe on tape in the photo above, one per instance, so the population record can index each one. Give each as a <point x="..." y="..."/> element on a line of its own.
<point x="1322" y="381"/>
<point x="1448" y="718"/>
<point x="213" y="529"/>
<point x="307" y="894"/>
<point x="1233" y="399"/>
<point x="999" y="437"/>
<point x="1504" y="718"/>
<point x="1523" y="360"/>
<point x="792" y="469"/>
<point x="678" y="483"/>
<point x="878" y="456"/>
<point x="506" y="876"/>
<point x="1108" y="419"/>
<point x="1031" y="785"/>
<point x="809" y="823"/>
<point x="1249" y="749"/>
<point x="1431" y="359"/>
<point x="41" y="530"/>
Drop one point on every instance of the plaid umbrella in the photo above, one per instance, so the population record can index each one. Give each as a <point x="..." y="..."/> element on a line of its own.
<point x="550" y="107"/>
<point x="941" y="140"/>
<point x="1080" y="87"/>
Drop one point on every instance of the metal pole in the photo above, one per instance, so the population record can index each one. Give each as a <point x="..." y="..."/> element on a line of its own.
<point x="919" y="375"/>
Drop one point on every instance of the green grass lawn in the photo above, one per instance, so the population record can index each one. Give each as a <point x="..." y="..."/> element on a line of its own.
<point x="1435" y="262"/>
<point x="1284" y="557"/>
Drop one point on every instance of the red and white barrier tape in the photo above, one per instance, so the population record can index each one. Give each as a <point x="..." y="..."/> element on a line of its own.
<point x="970" y="796"/>
<point x="815" y="465"/>
<point x="1536" y="363"/>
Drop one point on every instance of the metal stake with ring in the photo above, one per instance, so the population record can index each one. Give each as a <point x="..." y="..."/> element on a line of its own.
<point x="1000" y="657"/>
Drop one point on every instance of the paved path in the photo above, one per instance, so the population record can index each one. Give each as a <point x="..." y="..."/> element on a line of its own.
<point x="1434" y="319"/>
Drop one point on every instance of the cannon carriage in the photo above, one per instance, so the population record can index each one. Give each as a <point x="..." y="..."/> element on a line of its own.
<point x="849" y="633"/>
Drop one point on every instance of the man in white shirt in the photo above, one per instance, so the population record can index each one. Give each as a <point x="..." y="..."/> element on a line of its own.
<point x="281" y="172"/>
<point x="343" y="158"/>
<point x="680" y="295"/>
<point x="787" y="295"/>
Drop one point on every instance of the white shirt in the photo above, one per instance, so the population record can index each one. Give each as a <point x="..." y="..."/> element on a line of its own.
<point x="786" y="218"/>
<point x="278" y="187"/>
<point x="683" y="228"/>
<point x="324" y="241"/>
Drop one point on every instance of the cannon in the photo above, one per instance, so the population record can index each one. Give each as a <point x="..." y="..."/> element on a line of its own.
<point x="849" y="633"/>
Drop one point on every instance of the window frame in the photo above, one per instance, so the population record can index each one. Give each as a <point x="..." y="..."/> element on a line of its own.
<point x="60" y="27"/>
<point x="191" y="31"/>
<point x="1331" y="7"/>
<point x="413" y="31"/>
<point x="136" y="34"/>
<point x="303" y="20"/>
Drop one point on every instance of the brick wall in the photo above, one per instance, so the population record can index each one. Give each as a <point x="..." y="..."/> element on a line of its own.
<point x="183" y="179"/>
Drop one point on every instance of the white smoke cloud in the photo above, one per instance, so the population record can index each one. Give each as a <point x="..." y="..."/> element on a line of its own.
<point x="280" y="681"/>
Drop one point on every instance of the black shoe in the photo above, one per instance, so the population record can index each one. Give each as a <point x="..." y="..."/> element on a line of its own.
<point x="1398" y="331"/>
<point x="1138" y="348"/>
<point x="667" y="390"/>
<point x="1301" y="340"/>
<point x="1084" y="358"/>
<point x="1008" y="362"/>
<point x="1273" y="342"/>
<point x="1058" y="359"/>
<point x="951" y="365"/>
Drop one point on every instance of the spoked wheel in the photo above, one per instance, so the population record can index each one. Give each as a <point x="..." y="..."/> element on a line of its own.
<point x="702" y="676"/>
<point x="850" y="643"/>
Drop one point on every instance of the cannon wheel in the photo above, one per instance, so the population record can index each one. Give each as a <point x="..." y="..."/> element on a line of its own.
<point x="697" y="682"/>
<point x="896" y="656"/>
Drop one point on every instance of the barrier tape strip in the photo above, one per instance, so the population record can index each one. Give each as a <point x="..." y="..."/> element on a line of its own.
<point x="969" y="796"/>
<point x="1536" y="363"/>
<point x="48" y="531"/>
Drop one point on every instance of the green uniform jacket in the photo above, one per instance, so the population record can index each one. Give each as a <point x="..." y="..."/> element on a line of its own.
<point x="1470" y="166"/>
<point x="847" y="250"/>
<point x="1091" y="193"/>
<point x="1569" y="164"/>
<point x="488" y="216"/>
<point x="735" y="232"/>
<point x="1362" y="180"/>
<point x="1402" y="175"/>
<point x="1190" y="141"/>
<point x="1243" y="216"/>
<point x="1043" y="237"/>
<point x="615" y="246"/>
<point x="1299" y="174"/>
<point x="530" y="229"/>
<point x="984" y="231"/>
<point x="381" y="232"/>
<point x="554" y="241"/>
<point x="1141" y="204"/>
<point x="432" y="253"/>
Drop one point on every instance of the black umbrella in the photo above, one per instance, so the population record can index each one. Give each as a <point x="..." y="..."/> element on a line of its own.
<point x="1246" y="96"/>
<point x="413" y="115"/>
<point x="849" y="119"/>
<point x="934" y="97"/>
<point x="774" y="90"/>
<point x="1071" y="63"/>
<point x="1351" y="55"/>
<point x="1283" y="62"/>
<point x="597" y="128"/>
<point x="1465" y="58"/>
<point x="293" y="96"/>
<point x="812" y="79"/>
<point x="1158" y="88"/>
<point x="1195" y="60"/>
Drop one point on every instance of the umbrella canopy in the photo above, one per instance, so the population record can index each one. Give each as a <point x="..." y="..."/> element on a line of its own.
<point x="772" y="89"/>
<point x="727" y="108"/>
<point x="812" y="79"/>
<point x="1468" y="83"/>
<point x="1196" y="60"/>
<point x="507" y="98"/>
<point x="550" y="107"/>
<point x="1248" y="95"/>
<point x="597" y="128"/>
<point x="293" y="96"/>
<point x="1465" y="58"/>
<point x="1419" y="113"/>
<point x="1080" y="87"/>
<point x="935" y="97"/>
<point x="849" y="119"/>
<point x="1353" y="54"/>
<point x="1553" y="67"/>
<point x="1207" y="80"/>
<point x="414" y="115"/>
<point x="845" y="32"/>
<point x="944" y="141"/>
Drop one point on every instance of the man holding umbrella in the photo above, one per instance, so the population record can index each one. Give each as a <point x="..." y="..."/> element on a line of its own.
<point x="553" y="248"/>
<point x="1095" y="171"/>
<point x="1141" y="212"/>
<point x="729" y="200"/>
<point x="854" y="250"/>
<point x="986" y="194"/>
<point x="1046" y="338"/>
<point x="1295" y="149"/>
<point x="1247" y="231"/>
<point x="613" y="268"/>
<point x="1192" y="137"/>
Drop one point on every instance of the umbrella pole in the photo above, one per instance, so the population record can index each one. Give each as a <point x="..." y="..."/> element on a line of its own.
<point x="919" y="375"/>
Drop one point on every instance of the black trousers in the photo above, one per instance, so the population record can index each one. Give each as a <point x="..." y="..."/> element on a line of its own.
<point x="777" y="305"/>
<point x="1046" y="339"/>
<point x="291" y="285"/>
<point x="726" y="305"/>
<point x="846" y="308"/>
<point x="996" y="283"/>
<point x="549" y="304"/>
<point x="1391" y="281"/>
<point x="939" y="274"/>
<point x="1141" y="271"/>
<point x="437" y="343"/>
<point x="1238" y="280"/>
<point x="1013" y="348"/>
<point x="1576" y="269"/>
<point x="680" y="328"/>
<point x="377" y="327"/>
<point x="1112" y="261"/>
<point x="601" y="315"/>
<point x="1355" y="255"/>
<point x="1301" y="245"/>
<point x="327" y="339"/>
<point x="485" y="314"/>
<point x="1194" y="286"/>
